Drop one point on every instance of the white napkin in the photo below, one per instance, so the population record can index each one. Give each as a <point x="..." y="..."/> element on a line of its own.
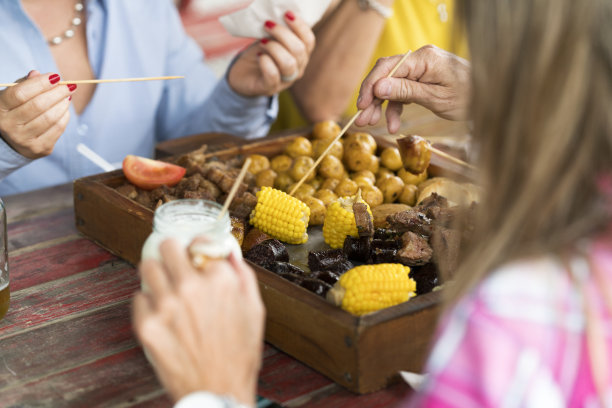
<point x="415" y="380"/>
<point x="249" y="22"/>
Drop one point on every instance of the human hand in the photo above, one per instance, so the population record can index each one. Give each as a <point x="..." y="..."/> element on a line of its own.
<point x="34" y="113"/>
<point x="430" y="76"/>
<point x="202" y="328"/>
<point x="275" y="63"/>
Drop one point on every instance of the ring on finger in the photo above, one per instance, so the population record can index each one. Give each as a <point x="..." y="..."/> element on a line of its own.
<point x="289" y="78"/>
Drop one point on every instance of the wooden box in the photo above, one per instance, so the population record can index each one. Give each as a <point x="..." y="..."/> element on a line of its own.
<point x="363" y="354"/>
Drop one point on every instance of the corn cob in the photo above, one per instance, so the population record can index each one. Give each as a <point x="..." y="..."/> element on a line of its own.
<point x="281" y="216"/>
<point x="368" y="288"/>
<point x="340" y="220"/>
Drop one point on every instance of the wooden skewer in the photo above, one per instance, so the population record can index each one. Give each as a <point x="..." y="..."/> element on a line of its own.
<point x="103" y="81"/>
<point x="342" y="132"/>
<point x="234" y="189"/>
<point x="451" y="158"/>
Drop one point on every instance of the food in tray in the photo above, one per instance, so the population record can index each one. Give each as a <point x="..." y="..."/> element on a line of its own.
<point x="281" y="216"/>
<point x="415" y="153"/>
<point x="340" y="221"/>
<point x="150" y="174"/>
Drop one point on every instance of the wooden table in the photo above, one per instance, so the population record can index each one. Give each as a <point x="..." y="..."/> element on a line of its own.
<point x="67" y="339"/>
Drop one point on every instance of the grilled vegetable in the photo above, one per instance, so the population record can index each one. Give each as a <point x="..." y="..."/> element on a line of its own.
<point x="368" y="288"/>
<point x="281" y="216"/>
<point x="340" y="221"/>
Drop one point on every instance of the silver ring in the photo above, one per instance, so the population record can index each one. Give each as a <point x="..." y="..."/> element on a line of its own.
<point x="289" y="78"/>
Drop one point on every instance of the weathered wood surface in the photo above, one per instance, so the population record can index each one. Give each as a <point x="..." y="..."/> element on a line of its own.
<point x="67" y="339"/>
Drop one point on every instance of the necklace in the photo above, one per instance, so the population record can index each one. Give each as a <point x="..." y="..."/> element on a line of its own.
<point x="441" y="8"/>
<point x="70" y="31"/>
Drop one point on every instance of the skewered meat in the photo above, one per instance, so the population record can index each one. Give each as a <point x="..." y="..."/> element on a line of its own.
<point x="363" y="219"/>
<point x="415" y="153"/>
<point x="128" y="190"/>
<point x="267" y="252"/>
<point x="411" y="220"/>
<point x="415" y="250"/>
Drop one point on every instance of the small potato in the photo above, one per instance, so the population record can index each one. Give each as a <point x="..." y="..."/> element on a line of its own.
<point x="331" y="167"/>
<point x="327" y="129"/>
<point x="305" y="190"/>
<point x="265" y="178"/>
<point x="382" y="174"/>
<point x="300" y="166"/>
<point x="346" y="187"/>
<point x="409" y="195"/>
<point x="374" y="165"/>
<point x="391" y="159"/>
<point x="409" y="178"/>
<point x="319" y="146"/>
<point x="300" y="146"/>
<point x="330" y="184"/>
<point x="316" y="182"/>
<point x="391" y="188"/>
<point x="258" y="163"/>
<point x="363" y="182"/>
<point x="283" y="181"/>
<point x="360" y="140"/>
<point x="357" y="159"/>
<point x="281" y="163"/>
<point x="364" y="173"/>
<point x="328" y="196"/>
<point x="373" y="196"/>
<point x="317" y="210"/>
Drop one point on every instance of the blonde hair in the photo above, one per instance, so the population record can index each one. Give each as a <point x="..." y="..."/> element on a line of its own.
<point x="541" y="106"/>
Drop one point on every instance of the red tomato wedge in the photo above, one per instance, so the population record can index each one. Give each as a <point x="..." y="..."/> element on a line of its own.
<point x="149" y="174"/>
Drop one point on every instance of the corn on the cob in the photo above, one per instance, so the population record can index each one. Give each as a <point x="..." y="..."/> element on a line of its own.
<point x="367" y="288"/>
<point x="281" y="216"/>
<point x="340" y="220"/>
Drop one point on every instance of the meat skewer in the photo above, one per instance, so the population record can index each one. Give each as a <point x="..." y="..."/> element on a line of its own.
<point x="416" y="153"/>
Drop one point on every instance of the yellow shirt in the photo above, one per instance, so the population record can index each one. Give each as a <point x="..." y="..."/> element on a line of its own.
<point x="414" y="23"/>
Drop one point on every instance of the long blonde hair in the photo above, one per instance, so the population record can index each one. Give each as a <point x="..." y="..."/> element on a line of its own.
<point x="542" y="112"/>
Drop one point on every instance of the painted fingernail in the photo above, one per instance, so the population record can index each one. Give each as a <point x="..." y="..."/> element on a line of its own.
<point x="384" y="89"/>
<point x="54" y="79"/>
<point x="264" y="41"/>
<point x="290" y="16"/>
<point x="71" y="87"/>
<point x="70" y="98"/>
<point x="270" y="24"/>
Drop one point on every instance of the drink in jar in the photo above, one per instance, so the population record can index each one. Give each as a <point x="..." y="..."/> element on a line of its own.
<point x="5" y="296"/>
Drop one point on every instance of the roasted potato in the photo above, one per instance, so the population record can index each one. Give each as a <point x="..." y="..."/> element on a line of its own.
<point x="382" y="174"/>
<point x="300" y="167"/>
<point x="330" y="184"/>
<point x="346" y="187"/>
<point x="258" y="163"/>
<point x="415" y="153"/>
<point x="364" y="173"/>
<point x="409" y="194"/>
<point x="409" y="178"/>
<point x="363" y="182"/>
<point x="283" y="181"/>
<point x="374" y="164"/>
<point x="281" y="163"/>
<point x="391" y="188"/>
<point x="327" y="196"/>
<point x="373" y="196"/>
<point x="317" y="210"/>
<point x="316" y="182"/>
<point x="305" y="190"/>
<point x="357" y="159"/>
<point x="319" y="146"/>
<point x="331" y="167"/>
<point x="300" y="146"/>
<point x="327" y="129"/>
<point x="360" y="140"/>
<point x="391" y="159"/>
<point x="265" y="178"/>
<point x="380" y="213"/>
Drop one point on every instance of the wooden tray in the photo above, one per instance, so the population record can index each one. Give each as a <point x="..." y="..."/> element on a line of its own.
<point x="363" y="354"/>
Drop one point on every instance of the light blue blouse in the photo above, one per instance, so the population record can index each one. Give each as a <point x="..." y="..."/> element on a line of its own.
<point x="126" y="38"/>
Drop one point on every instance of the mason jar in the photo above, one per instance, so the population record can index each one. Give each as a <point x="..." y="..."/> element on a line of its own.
<point x="5" y="293"/>
<point x="185" y="219"/>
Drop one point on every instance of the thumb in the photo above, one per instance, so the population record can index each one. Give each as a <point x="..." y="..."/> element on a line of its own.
<point x="33" y="73"/>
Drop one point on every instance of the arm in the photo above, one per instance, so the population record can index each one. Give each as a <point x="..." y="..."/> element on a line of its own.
<point x="346" y="40"/>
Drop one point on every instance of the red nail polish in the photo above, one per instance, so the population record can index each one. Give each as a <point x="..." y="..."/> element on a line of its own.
<point x="71" y="87"/>
<point x="270" y="24"/>
<point x="54" y="79"/>
<point x="264" y="41"/>
<point x="290" y="16"/>
<point x="70" y="98"/>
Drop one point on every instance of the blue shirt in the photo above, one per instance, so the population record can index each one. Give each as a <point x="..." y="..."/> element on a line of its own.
<point x="125" y="38"/>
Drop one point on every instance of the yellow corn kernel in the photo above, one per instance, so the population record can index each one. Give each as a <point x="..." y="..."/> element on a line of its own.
<point x="368" y="288"/>
<point x="339" y="220"/>
<point x="281" y="216"/>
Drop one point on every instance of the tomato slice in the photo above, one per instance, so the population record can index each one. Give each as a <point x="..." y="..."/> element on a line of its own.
<point x="149" y="174"/>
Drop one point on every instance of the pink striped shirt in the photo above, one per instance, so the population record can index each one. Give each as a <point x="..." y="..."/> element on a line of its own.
<point x="519" y="339"/>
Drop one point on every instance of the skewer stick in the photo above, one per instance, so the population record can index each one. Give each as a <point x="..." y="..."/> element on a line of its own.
<point x="451" y="158"/>
<point x="103" y="81"/>
<point x="234" y="189"/>
<point x="342" y="132"/>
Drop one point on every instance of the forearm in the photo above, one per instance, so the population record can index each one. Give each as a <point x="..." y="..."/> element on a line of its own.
<point x="345" y="44"/>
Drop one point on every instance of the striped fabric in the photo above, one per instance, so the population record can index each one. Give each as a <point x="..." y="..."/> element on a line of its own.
<point x="519" y="339"/>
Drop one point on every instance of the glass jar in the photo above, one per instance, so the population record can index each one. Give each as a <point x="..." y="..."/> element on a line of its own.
<point x="5" y="293"/>
<point x="185" y="219"/>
